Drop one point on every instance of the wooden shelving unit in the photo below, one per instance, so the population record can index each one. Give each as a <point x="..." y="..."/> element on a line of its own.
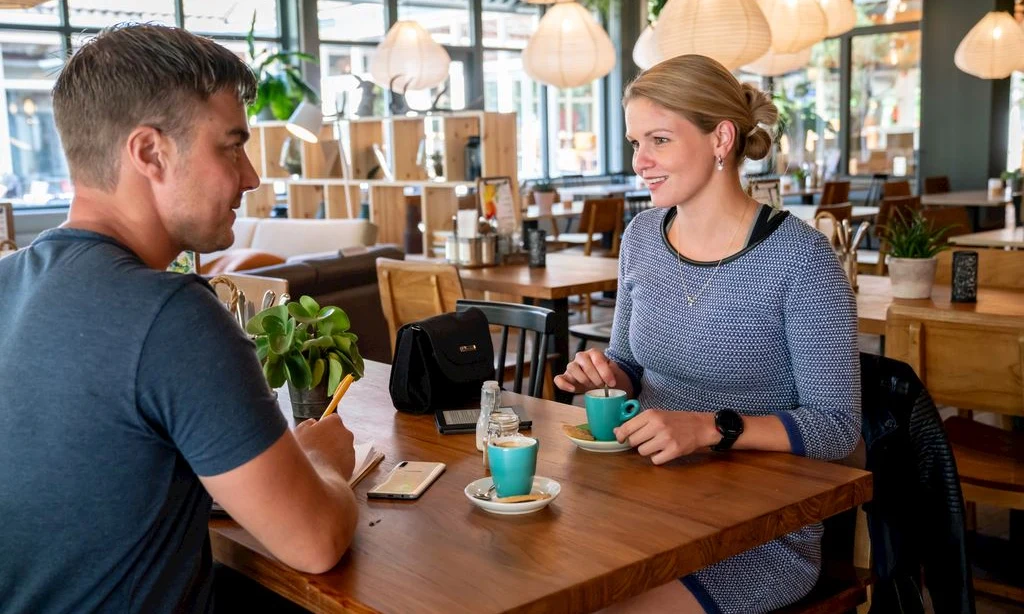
<point x="323" y="184"/>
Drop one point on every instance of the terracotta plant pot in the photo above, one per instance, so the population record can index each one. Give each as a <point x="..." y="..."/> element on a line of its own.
<point x="544" y="200"/>
<point x="912" y="277"/>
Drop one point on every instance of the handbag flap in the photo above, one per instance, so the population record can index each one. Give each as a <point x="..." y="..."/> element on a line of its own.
<point x="461" y="343"/>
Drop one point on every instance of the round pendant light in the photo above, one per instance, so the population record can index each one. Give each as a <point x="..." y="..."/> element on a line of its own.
<point x="569" y="48"/>
<point x="992" y="49"/>
<point x="840" y="14"/>
<point x="795" y="24"/>
<point x="408" y="58"/>
<point x="645" y="50"/>
<point x="774" y="64"/>
<point x="734" y="32"/>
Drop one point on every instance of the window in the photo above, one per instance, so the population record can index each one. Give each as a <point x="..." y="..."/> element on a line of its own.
<point x="229" y="16"/>
<point x="508" y="89"/>
<point x="45" y="14"/>
<point x="808" y="103"/>
<point x="103" y="13"/>
<point x="1016" y="123"/>
<point x="509" y="29"/>
<point x="354" y="20"/>
<point x="448" y="26"/>
<point x="574" y="133"/>
<point x="885" y="103"/>
<point x="882" y="12"/>
<point x="339" y="90"/>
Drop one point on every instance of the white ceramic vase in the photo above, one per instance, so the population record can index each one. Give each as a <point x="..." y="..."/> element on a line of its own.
<point x="544" y="200"/>
<point x="912" y="277"/>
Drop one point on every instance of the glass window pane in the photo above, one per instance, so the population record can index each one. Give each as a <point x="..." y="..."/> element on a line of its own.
<point x="885" y="103"/>
<point x="32" y="166"/>
<point x="45" y="14"/>
<point x="103" y="13"/>
<point x="231" y="16"/>
<point x="574" y="130"/>
<point x="508" y="89"/>
<point x="454" y="98"/>
<point x="449" y="26"/>
<point x="339" y="90"/>
<point x="351" y="20"/>
<point x="878" y="12"/>
<point x="510" y="27"/>
<point x="808" y="102"/>
<point x="1016" y="124"/>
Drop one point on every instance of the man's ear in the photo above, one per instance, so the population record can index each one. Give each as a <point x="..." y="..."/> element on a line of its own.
<point x="148" y="150"/>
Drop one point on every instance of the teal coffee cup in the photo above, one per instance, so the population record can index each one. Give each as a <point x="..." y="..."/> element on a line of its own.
<point x="604" y="413"/>
<point x="513" y="462"/>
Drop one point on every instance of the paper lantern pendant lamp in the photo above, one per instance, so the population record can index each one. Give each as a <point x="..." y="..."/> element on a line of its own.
<point x="645" y="51"/>
<point x="841" y="16"/>
<point x="409" y="53"/>
<point x="992" y="49"/>
<point x="795" y="24"/>
<point x="774" y="64"/>
<point x="569" y="48"/>
<point x="733" y="32"/>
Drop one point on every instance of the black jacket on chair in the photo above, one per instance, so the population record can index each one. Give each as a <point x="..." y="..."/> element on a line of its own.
<point x="916" y="516"/>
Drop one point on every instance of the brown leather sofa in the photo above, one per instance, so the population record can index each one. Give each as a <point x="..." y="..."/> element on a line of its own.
<point x="347" y="281"/>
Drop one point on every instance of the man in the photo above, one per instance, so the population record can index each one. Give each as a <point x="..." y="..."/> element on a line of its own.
<point x="128" y="393"/>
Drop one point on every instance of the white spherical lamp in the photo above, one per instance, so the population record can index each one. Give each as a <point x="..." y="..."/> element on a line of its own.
<point x="569" y="48"/>
<point x="840" y="14"/>
<point x="645" y="50"/>
<point x="795" y="24"/>
<point x="734" y="32"/>
<point x="409" y="59"/>
<point x="774" y="64"/>
<point x="992" y="49"/>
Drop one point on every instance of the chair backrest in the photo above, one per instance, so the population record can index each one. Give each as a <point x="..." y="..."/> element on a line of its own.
<point x="602" y="215"/>
<point x="411" y="291"/>
<point x="875" y="189"/>
<point x="230" y="287"/>
<point x="890" y="209"/>
<point x="996" y="268"/>
<point x="765" y="191"/>
<point x="895" y="188"/>
<point x="936" y="185"/>
<point x="525" y="318"/>
<point x="835" y="192"/>
<point x="828" y="219"/>
<point x="956" y="219"/>
<point x="969" y="360"/>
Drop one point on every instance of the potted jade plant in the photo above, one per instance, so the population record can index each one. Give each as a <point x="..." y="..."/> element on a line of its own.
<point x="913" y="244"/>
<point x="544" y="195"/>
<point x="308" y="346"/>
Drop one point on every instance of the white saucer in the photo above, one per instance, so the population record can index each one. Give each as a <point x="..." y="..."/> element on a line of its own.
<point x="540" y="486"/>
<point x="598" y="446"/>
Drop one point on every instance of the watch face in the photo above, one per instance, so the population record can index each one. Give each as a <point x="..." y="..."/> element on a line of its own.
<point x="729" y="423"/>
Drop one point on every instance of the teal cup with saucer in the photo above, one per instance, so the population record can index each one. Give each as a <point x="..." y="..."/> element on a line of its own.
<point x="513" y="462"/>
<point x="605" y="413"/>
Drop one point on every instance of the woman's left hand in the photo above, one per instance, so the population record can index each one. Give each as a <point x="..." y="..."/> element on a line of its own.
<point x="665" y="435"/>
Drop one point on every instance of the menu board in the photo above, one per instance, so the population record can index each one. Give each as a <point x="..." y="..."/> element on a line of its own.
<point x="497" y="202"/>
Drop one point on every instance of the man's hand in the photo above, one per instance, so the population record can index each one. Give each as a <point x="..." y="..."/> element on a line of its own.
<point x="665" y="435"/>
<point x="328" y="442"/>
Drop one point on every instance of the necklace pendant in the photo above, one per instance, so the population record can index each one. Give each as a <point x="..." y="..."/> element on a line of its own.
<point x="690" y="300"/>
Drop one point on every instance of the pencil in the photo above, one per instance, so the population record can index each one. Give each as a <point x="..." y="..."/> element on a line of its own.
<point x="340" y="392"/>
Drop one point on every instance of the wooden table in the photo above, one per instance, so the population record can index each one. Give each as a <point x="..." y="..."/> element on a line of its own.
<point x="806" y="212"/>
<point x="966" y="198"/>
<point x="565" y="275"/>
<point x="619" y="527"/>
<point x="596" y="191"/>
<point x="558" y="210"/>
<point x="1012" y="238"/>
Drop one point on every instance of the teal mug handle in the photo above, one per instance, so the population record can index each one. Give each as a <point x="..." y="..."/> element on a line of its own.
<point x="629" y="409"/>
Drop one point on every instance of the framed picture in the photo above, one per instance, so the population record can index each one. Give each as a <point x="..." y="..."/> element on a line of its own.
<point x="496" y="202"/>
<point x="6" y="221"/>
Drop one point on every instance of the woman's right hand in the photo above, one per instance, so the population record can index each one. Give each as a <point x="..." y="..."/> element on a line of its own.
<point x="590" y="369"/>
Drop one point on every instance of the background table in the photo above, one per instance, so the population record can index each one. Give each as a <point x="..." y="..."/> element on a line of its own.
<point x="1012" y="238"/>
<point x="620" y="526"/>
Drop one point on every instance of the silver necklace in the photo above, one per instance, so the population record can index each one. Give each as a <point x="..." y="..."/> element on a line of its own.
<point x="691" y="299"/>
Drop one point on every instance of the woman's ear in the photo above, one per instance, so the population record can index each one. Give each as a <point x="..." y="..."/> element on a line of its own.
<point x="725" y="139"/>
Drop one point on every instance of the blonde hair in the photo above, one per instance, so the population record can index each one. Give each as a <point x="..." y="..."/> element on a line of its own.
<point x="705" y="93"/>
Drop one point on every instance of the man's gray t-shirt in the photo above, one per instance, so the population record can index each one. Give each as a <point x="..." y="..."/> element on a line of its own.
<point x="118" y="386"/>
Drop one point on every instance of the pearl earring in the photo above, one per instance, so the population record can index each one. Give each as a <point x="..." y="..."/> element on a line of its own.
<point x="720" y="163"/>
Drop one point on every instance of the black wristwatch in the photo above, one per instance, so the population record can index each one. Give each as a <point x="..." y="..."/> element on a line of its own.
<point x="730" y="425"/>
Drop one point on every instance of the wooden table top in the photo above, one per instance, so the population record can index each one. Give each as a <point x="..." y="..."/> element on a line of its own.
<point x="619" y="527"/>
<point x="558" y="210"/>
<point x="806" y="212"/>
<point x="565" y="275"/>
<point x="1004" y="237"/>
<point x="607" y="189"/>
<point x="966" y="198"/>
<point x="874" y="295"/>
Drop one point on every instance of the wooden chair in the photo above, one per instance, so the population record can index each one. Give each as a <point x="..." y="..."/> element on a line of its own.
<point x="996" y="268"/>
<point x="972" y="361"/>
<point x="767" y="191"/>
<point x="243" y="294"/>
<point x="875" y="189"/>
<point x="525" y="319"/>
<point x="828" y="219"/>
<point x="874" y="261"/>
<point x="411" y="291"/>
<point x="936" y="185"/>
<point x="600" y="215"/>
<point x="892" y="189"/>
<point x="835" y="193"/>
<point x="957" y="219"/>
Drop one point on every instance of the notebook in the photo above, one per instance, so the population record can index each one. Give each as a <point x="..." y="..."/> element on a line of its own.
<point x="454" y="421"/>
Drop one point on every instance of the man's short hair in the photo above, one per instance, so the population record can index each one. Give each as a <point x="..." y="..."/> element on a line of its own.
<point x="131" y="75"/>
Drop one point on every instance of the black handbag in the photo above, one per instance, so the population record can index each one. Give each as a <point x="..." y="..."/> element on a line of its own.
<point x="441" y="362"/>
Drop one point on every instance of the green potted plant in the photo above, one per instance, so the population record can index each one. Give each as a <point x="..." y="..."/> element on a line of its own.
<point x="280" y="86"/>
<point x="913" y="244"/>
<point x="544" y="195"/>
<point x="308" y="346"/>
<point x="1012" y="178"/>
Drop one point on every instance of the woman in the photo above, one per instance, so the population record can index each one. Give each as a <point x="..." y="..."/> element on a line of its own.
<point x="734" y="324"/>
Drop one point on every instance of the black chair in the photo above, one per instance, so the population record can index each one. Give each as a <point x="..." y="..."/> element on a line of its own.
<point x="540" y="320"/>
<point x="598" y="331"/>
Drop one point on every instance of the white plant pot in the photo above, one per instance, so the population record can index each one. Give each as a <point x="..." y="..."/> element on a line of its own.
<point x="544" y="200"/>
<point x="912" y="277"/>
